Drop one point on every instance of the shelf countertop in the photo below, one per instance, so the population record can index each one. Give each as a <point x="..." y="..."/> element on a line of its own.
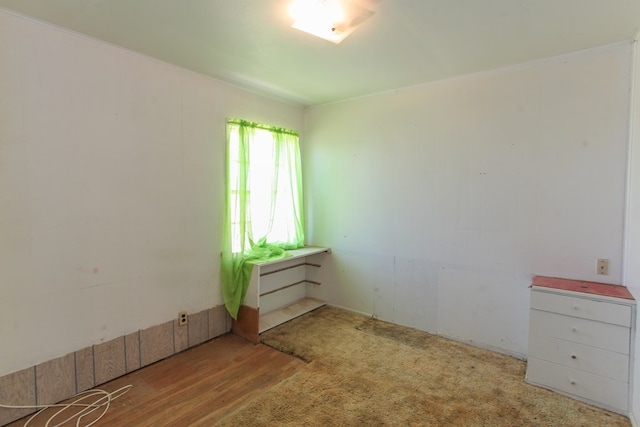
<point x="295" y="253"/>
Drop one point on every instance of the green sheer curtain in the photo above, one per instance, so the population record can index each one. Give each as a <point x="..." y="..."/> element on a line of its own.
<point x="264" y="214"/>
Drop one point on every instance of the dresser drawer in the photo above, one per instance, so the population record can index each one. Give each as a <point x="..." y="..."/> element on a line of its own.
<point x="602" y="311"/>
<point x="602" y="335"/>
<point x="580" y="356"/>
<point x="606" y="391"/>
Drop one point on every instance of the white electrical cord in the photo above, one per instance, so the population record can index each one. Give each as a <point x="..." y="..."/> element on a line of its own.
<point x="103" y="402"/>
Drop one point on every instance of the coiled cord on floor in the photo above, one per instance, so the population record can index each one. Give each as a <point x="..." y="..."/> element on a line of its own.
<point x="103" y="402"/>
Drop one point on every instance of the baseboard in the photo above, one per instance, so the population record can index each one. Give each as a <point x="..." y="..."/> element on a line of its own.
<point x="633" y="419"/>
<point x="61" y="378"/>
<point x="500" y="350"/>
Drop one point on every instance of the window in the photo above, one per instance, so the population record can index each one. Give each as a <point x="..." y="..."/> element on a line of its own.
<point x="264" y="213"/>
<point x="266" y="169"/>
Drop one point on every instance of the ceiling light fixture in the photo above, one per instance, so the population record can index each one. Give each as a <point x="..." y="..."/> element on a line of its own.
<point x="331" y="20"/>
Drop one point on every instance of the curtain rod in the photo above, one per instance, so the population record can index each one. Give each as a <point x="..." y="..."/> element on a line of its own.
<point x="256" y="125"/>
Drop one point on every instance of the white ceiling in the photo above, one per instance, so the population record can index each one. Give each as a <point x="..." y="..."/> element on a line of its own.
<point x="250" y="42"/>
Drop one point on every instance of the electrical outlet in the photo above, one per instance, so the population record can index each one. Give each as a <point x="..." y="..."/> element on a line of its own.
<point x="182" y="318"/>
<point x="602" y="266"/>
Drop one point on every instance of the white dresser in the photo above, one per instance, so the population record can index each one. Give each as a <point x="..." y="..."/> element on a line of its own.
<point x="581" y="340"/>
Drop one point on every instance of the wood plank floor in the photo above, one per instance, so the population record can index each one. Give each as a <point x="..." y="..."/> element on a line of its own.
<point x="194" y="388"/>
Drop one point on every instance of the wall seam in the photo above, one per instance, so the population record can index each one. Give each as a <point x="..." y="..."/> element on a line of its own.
<point x="630" y="151"/>
<point x="35" y="386"/>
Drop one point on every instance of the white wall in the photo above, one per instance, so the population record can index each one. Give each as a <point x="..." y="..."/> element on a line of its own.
<point x="632" y="254"/>
<point x="441" y="201"/>
<point x="111" y="188"/>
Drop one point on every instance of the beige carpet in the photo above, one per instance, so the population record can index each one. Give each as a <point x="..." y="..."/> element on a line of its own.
<point x="363" y="372"/>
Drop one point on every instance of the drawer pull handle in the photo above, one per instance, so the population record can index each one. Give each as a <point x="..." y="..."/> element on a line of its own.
<point x="573" y="356"/>
<point x="573" y="382"/>
<point x="575" y="307"/>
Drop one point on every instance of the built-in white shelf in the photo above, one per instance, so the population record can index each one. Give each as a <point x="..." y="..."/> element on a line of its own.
<point x="289" y="312"/>
<point x="278" y="291"/>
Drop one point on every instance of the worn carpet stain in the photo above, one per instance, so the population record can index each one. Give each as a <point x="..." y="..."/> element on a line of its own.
<point x="364" y="372"/>
<point x="403" y="335"/>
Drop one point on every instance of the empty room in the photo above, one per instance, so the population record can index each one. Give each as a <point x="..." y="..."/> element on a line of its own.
<point x="319" y="212"/>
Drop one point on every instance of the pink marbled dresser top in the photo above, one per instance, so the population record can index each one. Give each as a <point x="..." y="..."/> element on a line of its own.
<point x="604" y="289"/>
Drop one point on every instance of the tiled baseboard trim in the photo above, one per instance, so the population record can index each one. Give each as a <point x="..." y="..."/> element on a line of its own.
<point x="61" y="378"/>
